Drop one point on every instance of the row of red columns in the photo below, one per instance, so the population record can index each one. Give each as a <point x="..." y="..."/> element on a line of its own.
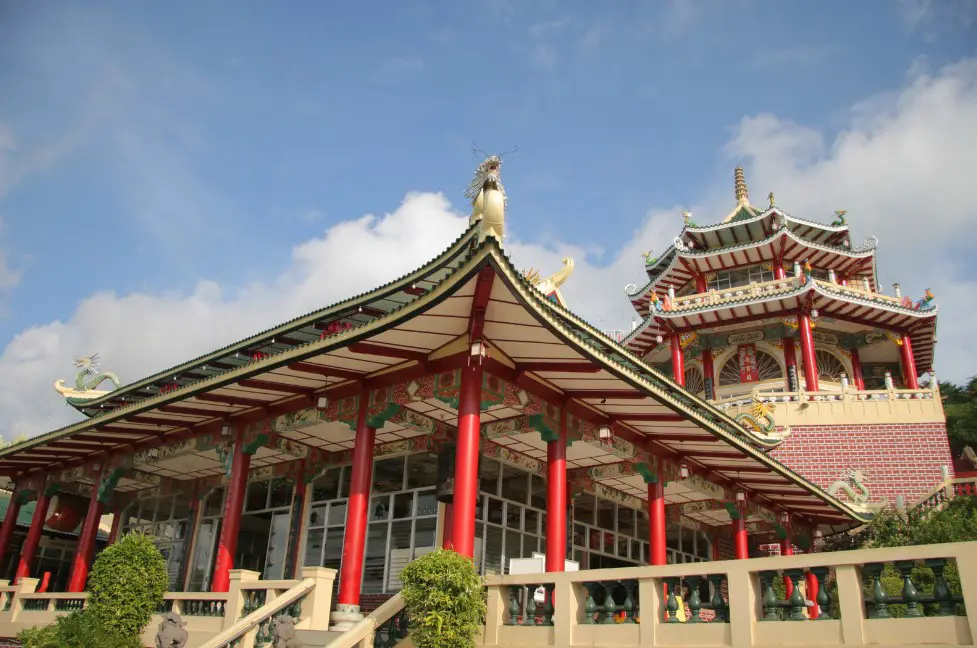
<point x="808" y="357"/>
<point x="85" y="552"/>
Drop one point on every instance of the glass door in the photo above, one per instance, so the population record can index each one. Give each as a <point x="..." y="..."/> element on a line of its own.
<point x="277" y="546"/>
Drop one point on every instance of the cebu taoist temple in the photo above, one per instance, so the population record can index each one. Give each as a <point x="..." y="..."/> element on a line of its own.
<point x="667" y="485"/>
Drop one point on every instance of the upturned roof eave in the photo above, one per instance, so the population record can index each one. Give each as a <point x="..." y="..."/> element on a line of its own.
<point x="283" y="329"/>
<point x="641" y="294"/>
<point x="704" y="413"/>
<point x="560" y="320"/>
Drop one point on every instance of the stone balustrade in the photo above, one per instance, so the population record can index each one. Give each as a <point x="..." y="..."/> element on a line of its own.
<point x="206" y="613"/>
<point x="734" y="603"/>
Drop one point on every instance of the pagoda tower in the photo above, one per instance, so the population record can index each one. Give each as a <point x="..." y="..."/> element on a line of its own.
<point x="780" y="322"/>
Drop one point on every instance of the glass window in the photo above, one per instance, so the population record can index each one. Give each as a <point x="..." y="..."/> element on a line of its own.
<point x="427" y="503"/>
<point x="403" y="505"/>
<point x="625" y="520"/>
<point x="584" y="506"/>
<point x="605" y="514"/>
<point x="337" y="513"/>
<point x="513" y="515"/>
<point x="531" y="521"/>
<point x="344" y="481"/>
<point x="380" y="508"/>
<point x="388" y="475"/>
<point x="488" y="478"/>
<point x="326" y="486"/>
<point x="538" y="492"/>
<point x="759" y="274"/>
<point x="494" y="511"/>
<point x="257" y="496"/>
<point x="515" y="485"/>
<point x="281" y="493"/>
<point x="422" y="470"/>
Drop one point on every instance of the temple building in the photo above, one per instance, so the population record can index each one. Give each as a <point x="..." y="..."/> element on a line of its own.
<point x="780" y="322"/>
<point x="464" y="405"/>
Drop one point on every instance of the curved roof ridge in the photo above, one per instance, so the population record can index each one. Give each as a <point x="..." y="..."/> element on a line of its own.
<point x="310" y="317"/>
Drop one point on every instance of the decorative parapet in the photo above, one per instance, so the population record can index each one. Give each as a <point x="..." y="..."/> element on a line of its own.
<point x="845" y="407"/>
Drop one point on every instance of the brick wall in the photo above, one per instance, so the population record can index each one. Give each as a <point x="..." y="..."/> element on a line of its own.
<point x="902" y="459"/>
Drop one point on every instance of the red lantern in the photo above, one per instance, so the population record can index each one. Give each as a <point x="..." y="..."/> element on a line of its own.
<point x="67" y="512"/>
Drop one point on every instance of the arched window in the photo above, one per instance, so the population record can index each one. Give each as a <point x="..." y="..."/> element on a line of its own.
<point x="829" y="366"/>
<point x="693" y="380"/>
<point x="767" y="368"/>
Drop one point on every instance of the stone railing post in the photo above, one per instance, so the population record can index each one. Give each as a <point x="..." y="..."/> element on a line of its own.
<point x="744" y="604"/>
<point x="318" y="603"/>
<point x="24" y="586"/>
<point x="967" y="567"/>
<point x="568" y="601"/>
<point x="235" y="602"/>
<point x="851" y="604"/>
<point x="649" y="596"/>
<point x="498" y="601"/>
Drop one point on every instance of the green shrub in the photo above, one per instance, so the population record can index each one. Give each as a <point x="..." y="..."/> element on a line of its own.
<point x="76" y="630"/>
<point x="127" y="584"/>
<point x="445" y="600"/>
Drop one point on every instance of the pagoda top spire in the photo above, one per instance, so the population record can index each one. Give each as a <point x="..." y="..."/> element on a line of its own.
<point x="739" y="185"/>
<point x="743" y="208"/>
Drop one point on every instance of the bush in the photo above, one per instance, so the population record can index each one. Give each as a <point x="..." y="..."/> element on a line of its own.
<point x="444" y="599"/>
<point x="76" y="630"/>
<point x="127" y="584"/>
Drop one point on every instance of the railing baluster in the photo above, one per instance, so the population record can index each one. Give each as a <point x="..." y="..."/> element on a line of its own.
<point x="941" y="593"/>
<point x="629" y="604"/>
<point x="548" y="605"/>
<point x="910" y="596"/>
<point x="671" y="604"/>
<point x="796" y="600"/>
<point x="590" y="605"/>
<point x="695" y="602"/>
<point x="610" y="607"/>
<point x="530" y="619"/>
<point x="514" y="607"/>
<point x="880" y="608"/>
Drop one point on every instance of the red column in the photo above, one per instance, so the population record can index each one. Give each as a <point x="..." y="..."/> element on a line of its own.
<point x="446" y="540"/>
<point x="856" y="370"/>
<point x="709" y="373"/>
<point x="33" y="537"/>
<point x="86" y="544"/>
<point x="117" y="526"/>
<point x="556" y="499"/>
<point x="466" y="461"/>
<point x="778" y="270"/>
<point x="909" y="376"/>
<point x="787" y="549"/>
<point x="807" y="352"/>
<point x="9" y="522"/>
<point x="700" y="284"/>
<point x="812" y="595"/>
<point x="678" y="362"/>
<point x="656" y="522"/>
<point x="354" y="541"/>
<point x="231" y="526"/>
<point x="740" y="543"/>
<point x="790" y="359"/>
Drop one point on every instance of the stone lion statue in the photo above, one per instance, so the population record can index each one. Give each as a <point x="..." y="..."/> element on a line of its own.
<point x="171" y="633"/>
<point x="283" y="633"/>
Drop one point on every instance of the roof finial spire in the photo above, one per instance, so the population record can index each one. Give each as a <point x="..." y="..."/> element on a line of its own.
<point x="739" y="183"/>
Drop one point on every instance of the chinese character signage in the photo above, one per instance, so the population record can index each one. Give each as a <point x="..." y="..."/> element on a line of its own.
<point x="748" y="369"/>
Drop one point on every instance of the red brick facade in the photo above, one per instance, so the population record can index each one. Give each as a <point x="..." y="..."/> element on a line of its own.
<point x="898" y="459"/>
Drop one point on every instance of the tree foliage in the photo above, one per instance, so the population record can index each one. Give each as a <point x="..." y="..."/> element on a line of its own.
<point x="960" y="405"/>
<point x="76" y="630"/>
<point x="445" y="600"/>
<point x="127" y="584"/>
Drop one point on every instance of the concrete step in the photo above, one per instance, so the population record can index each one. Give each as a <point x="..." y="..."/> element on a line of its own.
<point x="316" y="638"/>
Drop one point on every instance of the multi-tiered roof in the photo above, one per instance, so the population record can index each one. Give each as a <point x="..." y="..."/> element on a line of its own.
<point x="823" y="269"/>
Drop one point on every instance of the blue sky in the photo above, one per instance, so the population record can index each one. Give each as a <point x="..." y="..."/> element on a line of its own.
<point x="158" y="158"/>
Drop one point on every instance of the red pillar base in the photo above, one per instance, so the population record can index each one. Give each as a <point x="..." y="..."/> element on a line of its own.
<point x="656" y="523"/>
<point x="466" y="461"/>
<point x="556" y="500"/>
<point x="86" y="545"/>
<point x="233" y="507"/>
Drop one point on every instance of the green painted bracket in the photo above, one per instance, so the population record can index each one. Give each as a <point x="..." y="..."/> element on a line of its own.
<point x="107" y="484"/>
<point x="51" y="490"/>
<point x="803" y="541"/>
<point x="733" y="510"/>
<point x="378" y="420"/>
<point x="252" y="446"/>
<point x="646" y="471"/>
<point x="781" y="532"/>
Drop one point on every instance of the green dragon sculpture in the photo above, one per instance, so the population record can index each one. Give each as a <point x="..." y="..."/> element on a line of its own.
<point x="760" y="424"/>
<point x="852" y="484"/>
<point x="88" y="378"/>
<point x="838" y="222"/>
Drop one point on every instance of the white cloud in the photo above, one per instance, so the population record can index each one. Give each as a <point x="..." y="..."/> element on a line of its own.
<point x="902" y="169"/>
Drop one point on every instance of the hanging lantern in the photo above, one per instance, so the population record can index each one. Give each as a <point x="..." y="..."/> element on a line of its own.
<point x="444" y="490"/>
<point x="740" y="497"/>
<point x="683" y="471"/>
<point x="67" y="512"/>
